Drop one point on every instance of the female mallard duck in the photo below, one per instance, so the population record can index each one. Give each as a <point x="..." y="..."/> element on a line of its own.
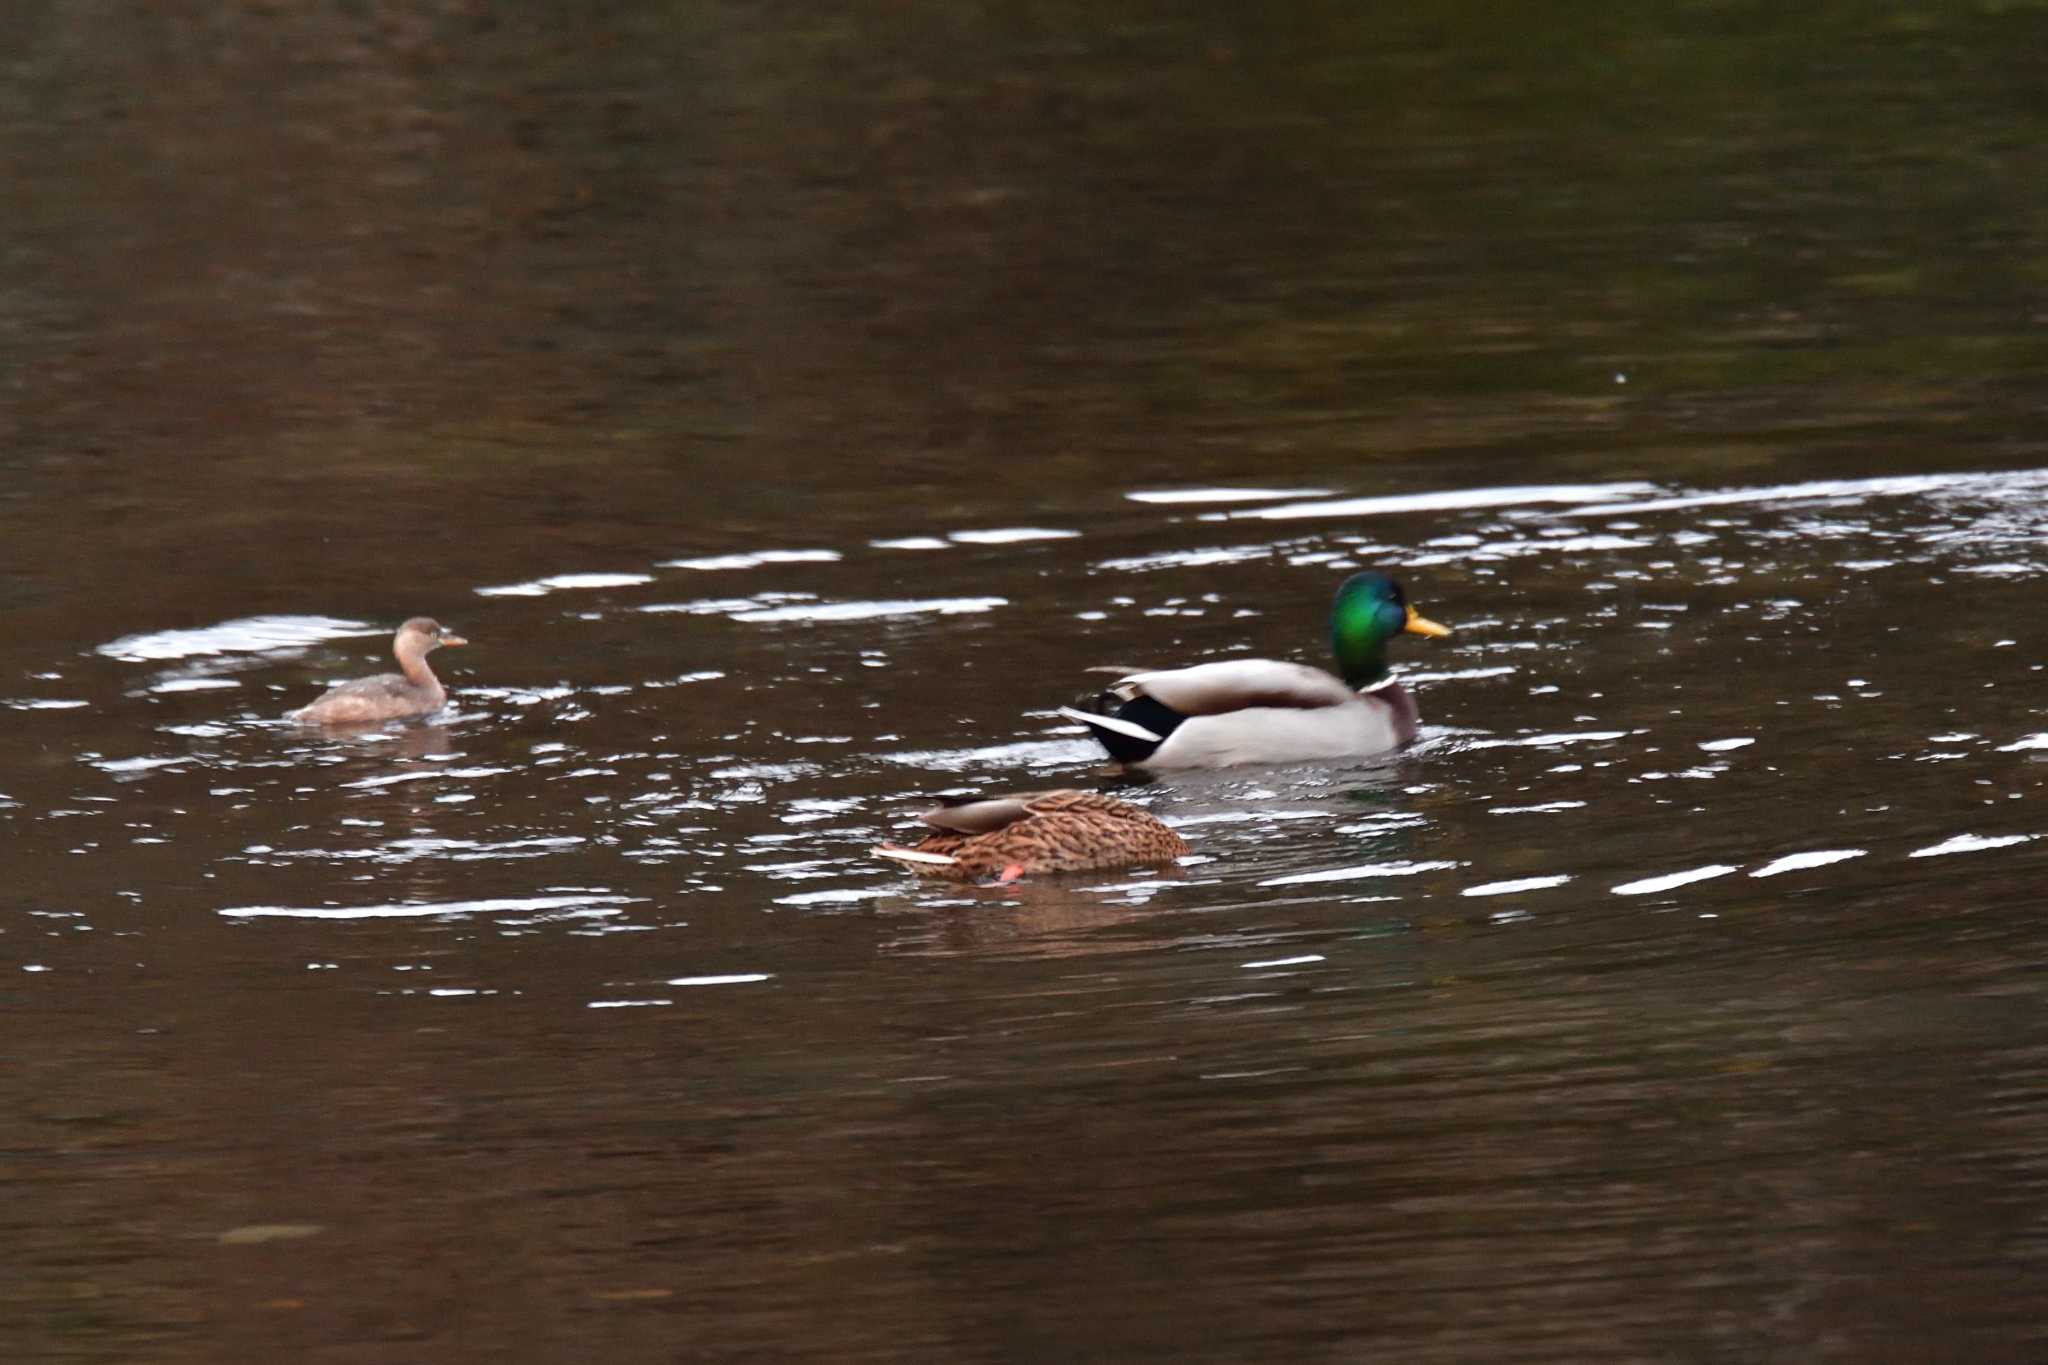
<point x="411" y="692"/>
<point x="1265" y="711"/>
<point x="1008" y="837"/>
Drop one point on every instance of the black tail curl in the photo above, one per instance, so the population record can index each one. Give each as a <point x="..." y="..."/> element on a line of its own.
<point x="1140" y="710"/>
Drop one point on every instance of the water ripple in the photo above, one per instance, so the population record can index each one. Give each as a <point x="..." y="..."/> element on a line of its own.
<point x="583" y="904"/>
<point x="248" y="635"/>
<point x="1530" y="495"/>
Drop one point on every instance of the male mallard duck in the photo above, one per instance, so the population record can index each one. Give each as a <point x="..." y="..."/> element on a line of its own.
<point x="1265" y="711"/>
<point x="1033" y="832"/>
<point x="413" y="691"/>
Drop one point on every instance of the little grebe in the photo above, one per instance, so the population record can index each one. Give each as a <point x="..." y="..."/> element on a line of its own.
<point x="413" y="691"/>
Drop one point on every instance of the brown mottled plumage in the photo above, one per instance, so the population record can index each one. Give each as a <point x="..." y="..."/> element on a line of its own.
<point x="411" y="692"/>
<point x="1036" y="832"/>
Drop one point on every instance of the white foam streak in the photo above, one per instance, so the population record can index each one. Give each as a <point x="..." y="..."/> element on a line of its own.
<point x="1009" y="535"/>
<point x="193" y="685"/>
<point x="867" y="611"/>
<point x="1451" y="674"/>
<point x="1039" y="753"/>
<point x="421" y="775"/>
<point x="1519" y="884"/>
<point x="1348" y="874"/>
<point x="1651" y="885"/>
<point x="722" y="606"/>
<point x="1545" y="741"/>
<point x="1511" y="549"/>
<point x="248" y="635"/>
<point x="1796" y="862"/>
<point x="843" y="896"/>
<point x="1452" y="500"/>
<point x="752" y="559"/>
<point x="587" y="905"/>
<point x="1173" y="496"/>
<point x="1189" y="559"/>
<point x="1896" y="486"/>
<point x="1971" y="843"/>
<point x="566" y="582"/>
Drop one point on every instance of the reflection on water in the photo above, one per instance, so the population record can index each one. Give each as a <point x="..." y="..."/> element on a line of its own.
<point x="580" y="905"/>
<point x="796" y="410"/>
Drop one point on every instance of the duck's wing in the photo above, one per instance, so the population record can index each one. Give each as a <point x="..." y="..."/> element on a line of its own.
<point x="377" y="688"/>
<point x="985" y="814"/>
<point x="1236" y="684"/>
<point x="387" y="696"/>
<point x="1034" y="832"/>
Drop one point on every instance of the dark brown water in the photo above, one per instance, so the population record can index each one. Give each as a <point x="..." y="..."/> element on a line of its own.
<point x="790" y="406"/>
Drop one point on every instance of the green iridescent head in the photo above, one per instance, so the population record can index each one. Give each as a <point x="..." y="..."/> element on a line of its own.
<point x="1370" y="610"/>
